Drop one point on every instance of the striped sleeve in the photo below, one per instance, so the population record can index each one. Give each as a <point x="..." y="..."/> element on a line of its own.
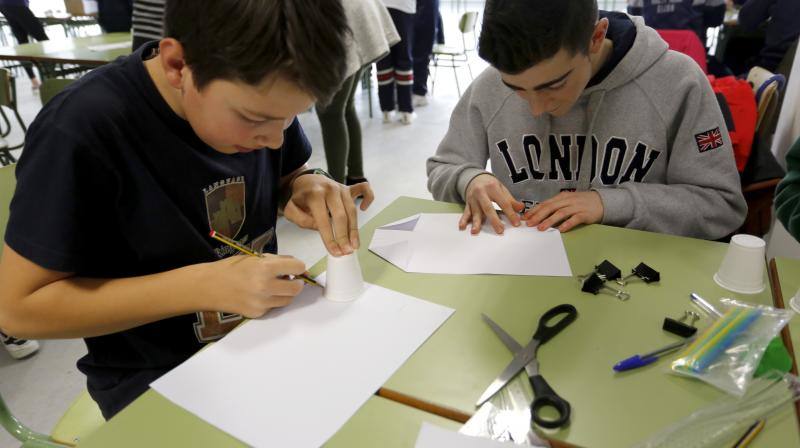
<point x="148" y="18"/>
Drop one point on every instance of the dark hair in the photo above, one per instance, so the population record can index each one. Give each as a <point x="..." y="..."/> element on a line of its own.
<point x="518" y="34"/>
<point x="248" y="40"/>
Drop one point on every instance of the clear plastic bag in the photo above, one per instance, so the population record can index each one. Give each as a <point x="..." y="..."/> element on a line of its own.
<point x="727" y="353"/>
<point x="726" y="420"/>
<point x="507" y="416"/>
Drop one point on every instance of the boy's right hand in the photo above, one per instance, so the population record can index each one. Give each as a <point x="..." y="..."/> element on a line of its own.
<point x="249" y="285"/>
<point x="482" y="191"/>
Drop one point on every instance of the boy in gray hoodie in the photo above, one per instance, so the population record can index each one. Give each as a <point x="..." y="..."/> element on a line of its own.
<point x="587" y="118"/>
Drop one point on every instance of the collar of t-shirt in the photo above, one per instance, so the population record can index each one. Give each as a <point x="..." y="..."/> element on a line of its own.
<point x="147" y="87"/>
<point x="622" y="33"/>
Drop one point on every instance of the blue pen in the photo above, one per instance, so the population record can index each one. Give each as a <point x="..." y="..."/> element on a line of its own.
<point x="636" y="361"/>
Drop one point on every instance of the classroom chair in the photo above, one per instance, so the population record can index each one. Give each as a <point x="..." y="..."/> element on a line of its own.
<point x="767" y="87"/>
<point x="83" y="415"/>
<point x="762" y="173"/>
<point x="454" y="56"/>
<point x="51" y="87"/>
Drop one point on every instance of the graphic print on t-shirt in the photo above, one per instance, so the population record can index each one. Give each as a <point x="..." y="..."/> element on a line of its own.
<point x="225" y="206"/>
<point x="213" y="325"/>
<point x="226" y="211"/>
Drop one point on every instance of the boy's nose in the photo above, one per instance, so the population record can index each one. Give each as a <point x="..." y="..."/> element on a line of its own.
<point x="271" y="137"/>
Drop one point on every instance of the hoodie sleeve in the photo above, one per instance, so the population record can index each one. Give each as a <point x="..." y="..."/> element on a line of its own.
<point x="787" y="198"/>
<point x="463" y="153"/>
<point x="701" y="196"/>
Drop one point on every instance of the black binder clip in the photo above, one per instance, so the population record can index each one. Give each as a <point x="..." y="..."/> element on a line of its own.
<point x="644" y="272"/>
<point x="680" y="327"/>
<point x="593" y="283"/>
<point x="607" y="271"/>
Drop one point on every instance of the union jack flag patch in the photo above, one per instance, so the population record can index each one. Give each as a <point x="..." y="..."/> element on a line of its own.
<point x="706" y="141"/>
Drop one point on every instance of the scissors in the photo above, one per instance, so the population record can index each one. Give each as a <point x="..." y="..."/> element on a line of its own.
<point x="525" y="357"/>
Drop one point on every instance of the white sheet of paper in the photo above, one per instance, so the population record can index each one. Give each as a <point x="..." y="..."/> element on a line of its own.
<point x="295" y="376"/>
<point x="432" y="436"/>
<point x="432" y="243"/>
<point x="106" y="47"/>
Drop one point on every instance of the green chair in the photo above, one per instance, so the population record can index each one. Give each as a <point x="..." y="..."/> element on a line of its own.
<point x="83" y="416"/>
<point x="51" y="87"/>
<point x="455" y="57"/>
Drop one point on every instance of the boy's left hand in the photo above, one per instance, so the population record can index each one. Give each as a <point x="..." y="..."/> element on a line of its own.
<point x="327" y="206"/>
<point x="566" y="210"/>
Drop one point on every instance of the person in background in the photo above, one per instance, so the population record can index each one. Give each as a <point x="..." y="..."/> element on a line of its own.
<point x="395" y="73"/>
<point x="114" y="16"/>
<point x="23" y="25"/>
<point x="426" y="24"/>
<point x="782" y="20"/>
<point x="373" y="33"/>
<point x="787" y="196"/>
<point x="147" y="21"/>
<point x="695" y="15"/>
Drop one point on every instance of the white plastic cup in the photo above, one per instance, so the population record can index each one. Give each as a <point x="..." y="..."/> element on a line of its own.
<point x="794" y="302"/>
<point x="742" y="269"/>
<point x="344" y="281"/>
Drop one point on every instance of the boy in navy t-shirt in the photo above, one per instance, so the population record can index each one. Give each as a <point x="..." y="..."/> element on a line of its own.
<point x="126" y="172"/>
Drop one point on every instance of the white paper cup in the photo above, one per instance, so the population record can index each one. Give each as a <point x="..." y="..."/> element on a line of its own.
<point x="344" y="281"/>
<point x="794" y="302"/>
<point x="742" y="269"/>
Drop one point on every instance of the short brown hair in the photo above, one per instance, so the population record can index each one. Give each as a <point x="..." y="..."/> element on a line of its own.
<point x="248" y="40"/>
<point x="518" y="34"/>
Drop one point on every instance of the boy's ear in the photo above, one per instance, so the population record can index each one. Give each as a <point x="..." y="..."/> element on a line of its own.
<point x="170" y="51"/>
<point x="598" y="35"/>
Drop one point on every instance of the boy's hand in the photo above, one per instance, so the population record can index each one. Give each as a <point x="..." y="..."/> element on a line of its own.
<point x="566" y="209"/>
<point x="481" y="192"/>
<point x="324" y="205"/>
<point x="249" y="285"/>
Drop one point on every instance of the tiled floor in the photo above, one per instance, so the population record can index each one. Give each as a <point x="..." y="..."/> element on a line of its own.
<point x="39" y="389"/>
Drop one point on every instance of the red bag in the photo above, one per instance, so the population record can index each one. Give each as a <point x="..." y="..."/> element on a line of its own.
<point x="741" y="114"/>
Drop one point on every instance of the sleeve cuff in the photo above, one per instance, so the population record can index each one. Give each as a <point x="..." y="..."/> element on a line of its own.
<point x="617" y="206"/>
<point x="465" y="178"/>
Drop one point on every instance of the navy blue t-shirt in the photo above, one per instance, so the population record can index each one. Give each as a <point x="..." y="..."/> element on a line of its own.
<point x="112" y="184"/>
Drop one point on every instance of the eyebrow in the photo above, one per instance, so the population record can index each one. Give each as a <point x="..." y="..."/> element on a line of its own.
<point x="259" y="115"/>
<point x="540" y="86"/>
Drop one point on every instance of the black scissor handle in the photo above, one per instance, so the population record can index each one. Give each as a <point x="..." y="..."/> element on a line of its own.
<point x="545" y="396"/>
<point x="545" y="332"/>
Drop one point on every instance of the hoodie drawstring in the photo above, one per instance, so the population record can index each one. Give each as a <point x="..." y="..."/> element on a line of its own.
<point x="592" y="111"/>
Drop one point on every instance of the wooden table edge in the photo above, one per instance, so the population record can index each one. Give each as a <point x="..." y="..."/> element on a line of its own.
<point x="777" y="298"/>
<point x="448" y="413"/>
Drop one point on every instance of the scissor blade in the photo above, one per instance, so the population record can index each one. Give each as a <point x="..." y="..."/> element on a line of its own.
<point x="511" y="370"/>
<point x="509" y="341"/>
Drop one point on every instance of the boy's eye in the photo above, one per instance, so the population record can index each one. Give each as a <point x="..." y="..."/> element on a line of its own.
<point x="249" y="121"/>
<point x="557" y="86"/>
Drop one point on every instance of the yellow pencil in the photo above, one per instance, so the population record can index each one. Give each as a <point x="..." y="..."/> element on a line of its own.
<point x="234" y="244"/>
<point x="750" y="434"/>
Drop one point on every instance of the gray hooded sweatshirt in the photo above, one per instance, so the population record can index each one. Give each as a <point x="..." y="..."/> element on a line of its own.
<point x="660" y="156"/>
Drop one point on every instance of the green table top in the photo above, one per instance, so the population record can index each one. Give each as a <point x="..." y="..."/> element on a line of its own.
<point x="153" y="421"/>
<point x="457" y="363"/>
<point x="608" y="410"/>
<point x="74" y="50"/>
